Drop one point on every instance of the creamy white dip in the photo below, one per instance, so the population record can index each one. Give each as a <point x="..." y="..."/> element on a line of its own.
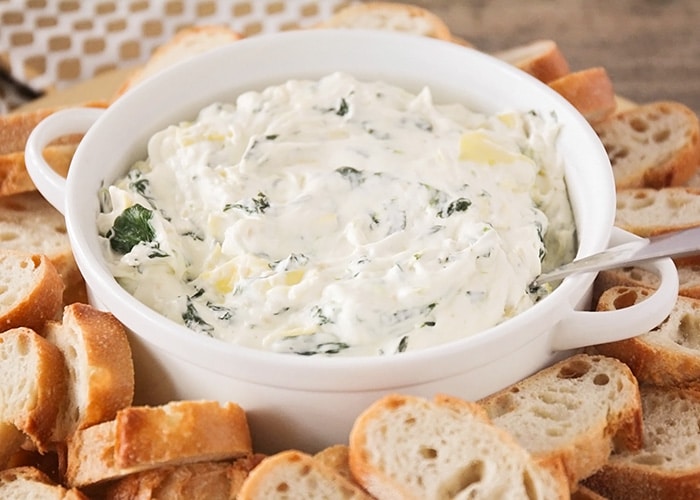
<point x="340" y="217"/>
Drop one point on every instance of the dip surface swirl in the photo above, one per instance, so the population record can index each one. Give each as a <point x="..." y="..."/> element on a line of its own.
<point x="340" y="217"/>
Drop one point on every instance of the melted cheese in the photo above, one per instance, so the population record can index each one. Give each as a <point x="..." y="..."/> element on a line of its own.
<point x="343" y="217"/>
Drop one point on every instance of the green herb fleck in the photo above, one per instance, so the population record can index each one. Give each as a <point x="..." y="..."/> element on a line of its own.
<point x="343" y="108"/>
<point x="256" y="205"/>
<point x="458" y="205"/>
<point x="130" y="228"/>
<point x="403" y="344"/>
<point x="354" y="176"/>
<point x="194" y="321"/>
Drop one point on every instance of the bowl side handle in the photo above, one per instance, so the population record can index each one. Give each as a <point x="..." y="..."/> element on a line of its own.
<point x="50" y="184"/>
<point x="585" y="328"/>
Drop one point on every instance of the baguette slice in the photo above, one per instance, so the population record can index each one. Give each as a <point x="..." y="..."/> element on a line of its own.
<point x="189" y="41"/>
<point x="649" y="212"/>
<point x="652" y="145"/>
<point x="143" y="437"/>
<point x="668" y="466"/>
<point x="688" y="278"/>
<point x="14" y="177"/>
<point x="31" y="290"/>
<point x="390" y="16"/>
<point x="292" y="474"/>
<point x="22" y="483"/>
<point x="668" y="355"/>
<point x="590" y="91"/>
<point x="33" y="375"/>
<point x="540" y="58"/>
<point x="29" y="223"/>
<point x="195" y="481"/>
<point x="11" y="439"/>
<point x="585" y="493"/>
<point x="336" y="457"/>
<point x="577" y="410"/>
<point x="409" y="447"/>
<point x="100" y="368"/>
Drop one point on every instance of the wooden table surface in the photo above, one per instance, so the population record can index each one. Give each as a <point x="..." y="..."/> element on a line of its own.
<point x="650" y="48"/>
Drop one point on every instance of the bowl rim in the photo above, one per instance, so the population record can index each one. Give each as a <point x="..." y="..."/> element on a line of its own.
<point x="272" y="368"/>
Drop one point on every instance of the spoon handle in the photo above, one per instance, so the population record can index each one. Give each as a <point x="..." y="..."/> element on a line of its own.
<point x="677" y="244"/>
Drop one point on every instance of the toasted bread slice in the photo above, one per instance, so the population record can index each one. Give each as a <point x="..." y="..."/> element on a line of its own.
<point x="590" y="91"/>
<point x="336" y="457"/>
<point x="21" y="483"/>
<point x="577" y="410"/>
<point x="650" y="212"/>
<point x="33" y="375"/>
<point x="652" y="145"/>
<point x="292" y="474"/>
<point x="668" y="466"/>
<point x="31" y="290"/>
<point x="409" y="447"/>
<point x="100" y="368"/>
<point x="688" y="279"/>
<point x="668" y="355"/>
<point x="540" y="58"/>
<point x="585" y="493"/>
<point x="390" y="16"/>
<point x="14" y="177"/>
<point x="189" y="41"/>
<point x="11" y="439"/>
<point x="143" y="438"/>
<point x="29" y="223"/>
<point x="195" y="481"/>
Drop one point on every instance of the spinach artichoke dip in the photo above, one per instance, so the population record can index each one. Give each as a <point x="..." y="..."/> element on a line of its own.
<point x="340" y="217"/>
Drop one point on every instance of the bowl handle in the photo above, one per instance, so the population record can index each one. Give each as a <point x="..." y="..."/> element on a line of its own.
<point x="585" y="328"/>
<point x="67" y="121"/>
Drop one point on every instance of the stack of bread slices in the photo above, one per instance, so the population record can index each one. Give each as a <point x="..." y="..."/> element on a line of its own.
<point x="619" y="421"/>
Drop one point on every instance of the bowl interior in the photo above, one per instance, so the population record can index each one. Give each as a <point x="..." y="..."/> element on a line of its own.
<point x="454" y="74"/>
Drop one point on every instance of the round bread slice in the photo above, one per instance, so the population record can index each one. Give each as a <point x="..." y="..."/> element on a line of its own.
<point x="33" y="375"/>
<point x="292" y="474"/>
<point x="409" y="447"/>
<point x="31" y="290"/>
<point x="652" y="145"/>
<point x="100" y="367"/>
<point x="668" y="466"/>
<point x="650" y="212"/>
<point x="577" y="410"/>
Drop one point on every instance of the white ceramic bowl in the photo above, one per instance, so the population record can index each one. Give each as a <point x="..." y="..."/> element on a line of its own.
<point x="310" y="402"/>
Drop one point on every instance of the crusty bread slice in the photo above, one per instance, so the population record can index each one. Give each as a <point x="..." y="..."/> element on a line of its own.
<point x="31" y="290"/>
<point x="590" y="91"/>
<point x="147" y="437"/>
<point x="409" y="447"/>
<point x="688" y="279"/>
<point x="195" y="481"/>
<point x="22" y="483"/>
<point x="292" y="474"/>
<point x="390" y="16"/>
<point x="33" y="375"/>
<point x="650" y="212"/>
<point x="652" y="145"/>
<point x="585" y="493"/>
<point x="29" y="223"/>
<point x="14" y="177"/>
<point x="577" y="410"/>
<point x="100" y="368"/>
<point x="540" y="58"/>
<point x="189" y="41"/>
<point x="668" y="466"/>
<point x="668" y="355"/>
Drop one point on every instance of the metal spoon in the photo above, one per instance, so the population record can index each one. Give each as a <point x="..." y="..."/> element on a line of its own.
<point x="677" y="244"/>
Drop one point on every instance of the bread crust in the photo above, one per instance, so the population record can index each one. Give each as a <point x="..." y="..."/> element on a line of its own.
<point x="590" y="91"/>
<point x="28" y="359"/>
<point x="41" y="290"/>
<point x="540" y="58"/>
<point x="100" y="367"/>
<point x="146" y="437"/>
